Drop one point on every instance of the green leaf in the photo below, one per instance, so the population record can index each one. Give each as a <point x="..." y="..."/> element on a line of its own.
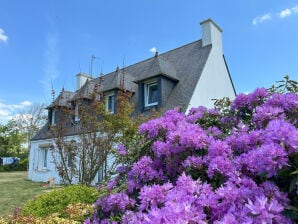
<point x="293" y="184"/>
<point x="291" y="212"/>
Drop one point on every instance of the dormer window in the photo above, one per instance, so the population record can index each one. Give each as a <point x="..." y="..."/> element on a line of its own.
<point x="53" y="118"/>
<point x="151" y="94"/>
<point x="110" y="103"/>
<point x="77" y="118"/>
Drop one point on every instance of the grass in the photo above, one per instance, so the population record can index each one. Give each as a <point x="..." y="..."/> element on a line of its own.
<point x="15" y="190"/>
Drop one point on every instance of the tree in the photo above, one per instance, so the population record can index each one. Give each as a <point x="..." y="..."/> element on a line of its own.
<point x="97" y="130"/>
<point x="11" y="139"/>
<point x="29" y="121"/>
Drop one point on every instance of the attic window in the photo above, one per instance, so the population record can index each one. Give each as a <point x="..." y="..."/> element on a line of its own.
<point x="77" y="118"/>
<point x="151" y="94"/>
<point x="110" y="103"/>
<point x="53" y="118"/>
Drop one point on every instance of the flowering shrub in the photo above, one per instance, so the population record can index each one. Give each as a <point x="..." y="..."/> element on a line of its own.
<point x="232" y="164"/>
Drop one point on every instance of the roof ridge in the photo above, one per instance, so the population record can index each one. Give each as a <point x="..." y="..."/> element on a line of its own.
<point x="153" y="57"/>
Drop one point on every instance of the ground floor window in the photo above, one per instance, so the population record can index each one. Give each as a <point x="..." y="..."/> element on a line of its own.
<point x="43" y="158"/>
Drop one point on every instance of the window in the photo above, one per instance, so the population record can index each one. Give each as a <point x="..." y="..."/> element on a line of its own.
<point x="151" y="94"/>
<point x="77" y="118"/>
<point x="110" y="103"/>
<point x="43" y="158"/>
<point x="53" y="118"/>
<point x="69" y="159"/>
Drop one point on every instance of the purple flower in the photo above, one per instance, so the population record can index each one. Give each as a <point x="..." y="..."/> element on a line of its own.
<point x="282" y="132"/>
<point x="263" y="210"/>
<point x="121" y="150"/>
<point x="267" y="159"/>
<point x="114" y="203"/>
<point x="265" y="113"/>
<point x="153" y="196"/>
<point x="193" y="161"/>
<point x="111" y="184"/>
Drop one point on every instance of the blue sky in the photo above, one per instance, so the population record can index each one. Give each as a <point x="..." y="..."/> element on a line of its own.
<point x="44" y="42"/>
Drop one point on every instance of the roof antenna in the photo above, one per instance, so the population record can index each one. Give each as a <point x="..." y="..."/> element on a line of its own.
<point x="53" y="91"/>
<point x="101" y="68"/>
<point x="122" y="79"/>
<point x="91" y="64"/>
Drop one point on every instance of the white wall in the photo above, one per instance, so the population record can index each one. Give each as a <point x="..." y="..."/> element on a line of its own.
<point x="214" y="82"/>
<point x="38" y="174"/>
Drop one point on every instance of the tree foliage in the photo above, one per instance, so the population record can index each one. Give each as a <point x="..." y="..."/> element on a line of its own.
<point x="97" y="132"/>
<point x="29" y="121"/>
<point x="11" y="139"/>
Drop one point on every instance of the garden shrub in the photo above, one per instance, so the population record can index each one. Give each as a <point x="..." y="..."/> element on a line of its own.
<point x="236" y="163"/>
<point x="57" y="201"/>
<point x="23" y="164"/>
<point x="51" y="219"/>
<point x="75" y="214"/>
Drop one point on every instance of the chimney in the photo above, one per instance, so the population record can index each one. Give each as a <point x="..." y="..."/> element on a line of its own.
<point x="82" y="79"/>
<point x="211" y="34"/>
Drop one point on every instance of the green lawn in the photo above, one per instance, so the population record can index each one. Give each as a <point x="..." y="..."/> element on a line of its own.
<point x="15" y="190"/>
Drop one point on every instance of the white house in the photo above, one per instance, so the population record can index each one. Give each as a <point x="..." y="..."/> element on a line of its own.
<point x="185" y="77"/>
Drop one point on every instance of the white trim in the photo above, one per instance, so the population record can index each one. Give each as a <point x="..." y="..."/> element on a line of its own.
<point x="77" y="117"/>
<point x="43" y="154"/>
<point x="53" y="120"/>
<point x="146" y="93"/>
<point x="107" y="97"/>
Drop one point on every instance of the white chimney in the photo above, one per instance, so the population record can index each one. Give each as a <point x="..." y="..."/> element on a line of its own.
<point x="211" y="34"/>
<point x="82" y="79"/>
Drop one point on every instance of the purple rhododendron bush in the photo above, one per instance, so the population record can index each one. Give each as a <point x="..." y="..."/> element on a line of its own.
<point x="236" y="163"/>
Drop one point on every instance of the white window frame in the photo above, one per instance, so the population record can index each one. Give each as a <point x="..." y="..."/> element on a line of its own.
<point x="53" y="119"/>
<point x="77" y="117"/>
<point x="147" y="86"/>
<point x="43" y="161"/>
<point x="107" y="97"/>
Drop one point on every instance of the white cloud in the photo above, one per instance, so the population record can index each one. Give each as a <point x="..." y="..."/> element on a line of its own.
<point x="26" y="103"/>
<point x="3" y="36"/>
<point x="261" y="19"/>
<point x="295" y="9"/>
<point x="288" y="12"/>
<point x="153" y="50"/>
<point x="284" y="13"/>
<point x="8" y="111"/>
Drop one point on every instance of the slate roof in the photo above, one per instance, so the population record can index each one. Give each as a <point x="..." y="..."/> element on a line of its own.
<point x="85" y="91"/>
<point x="63" y="100"/>
<point x="117" y="80"/>
<point x="157" y="66"/>
<point x="184" y="65"/>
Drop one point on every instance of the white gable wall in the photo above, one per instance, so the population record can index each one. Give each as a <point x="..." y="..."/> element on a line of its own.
<point x="215" y="82"/>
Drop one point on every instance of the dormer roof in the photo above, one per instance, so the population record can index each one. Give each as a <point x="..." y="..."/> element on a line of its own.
<point x="157" y="66"/>
<point x="63" y="100"/>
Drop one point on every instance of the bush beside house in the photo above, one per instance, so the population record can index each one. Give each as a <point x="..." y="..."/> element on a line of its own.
<point x="236" y="163"/>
